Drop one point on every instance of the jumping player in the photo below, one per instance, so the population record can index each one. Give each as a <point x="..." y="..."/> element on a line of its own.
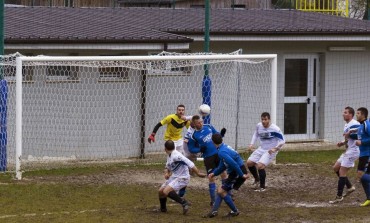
<point x="231" y="161"/>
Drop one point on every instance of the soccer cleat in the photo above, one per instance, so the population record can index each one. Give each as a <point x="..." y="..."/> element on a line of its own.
<point x="349" y="191"/>
<point x="185" y="208"/>
<point x="232" y="214"/>
<point x="256" y="184"/>
<point x="260" y="189"/>
<point x="211" y="214"/>
<point x="336" y="200"/>
<point x="163" y="210"/>
<point x="365" y="204"/>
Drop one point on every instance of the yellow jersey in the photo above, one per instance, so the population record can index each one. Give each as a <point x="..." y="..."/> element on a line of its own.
<point x="174" y="127"/>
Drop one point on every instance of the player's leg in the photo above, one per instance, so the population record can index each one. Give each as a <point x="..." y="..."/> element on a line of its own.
<point x="211" y="163"/>
<point x="365" y="181"/>
<point x="170" y="191"/>
<point x="362" y="165"/>
<point x="265" y="160"/>
<point x="179" y="146"/>
<point x="163" y="197"/>
<point x="251" y="164"/>
<point x="347" y="163"/>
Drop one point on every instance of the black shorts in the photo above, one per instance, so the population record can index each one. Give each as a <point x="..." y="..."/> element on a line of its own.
<point x="234" y="181"/>
<point x="211" y="163"/>
<point x="362" y="163"/>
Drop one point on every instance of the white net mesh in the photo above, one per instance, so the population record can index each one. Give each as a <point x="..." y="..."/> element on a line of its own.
<point x="105" y="109"/>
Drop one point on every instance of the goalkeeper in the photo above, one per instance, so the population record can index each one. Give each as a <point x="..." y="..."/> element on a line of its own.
<point x="175" y="125"/>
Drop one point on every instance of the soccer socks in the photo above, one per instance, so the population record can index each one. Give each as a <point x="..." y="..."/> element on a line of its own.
<point x="176" y="197"/>
<point x="341" y="184"/>
<point x="217" y="203"/>
<point x="348" y="183"/>
<point x="212" y="191"/>
<point x="253" y="170"/>
<point x="163" y="201"/>
<point x="229" y="201"/>
<point x="262" y="174"/>
<point x="365" y="181"/>
<point x="182" y="192"/>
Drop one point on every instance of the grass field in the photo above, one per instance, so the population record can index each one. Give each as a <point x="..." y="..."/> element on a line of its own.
<point x="298" y="190"/>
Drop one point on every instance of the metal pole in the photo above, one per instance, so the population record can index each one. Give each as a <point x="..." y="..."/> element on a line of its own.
<point x="207" y="82"/>
<point x="1" y="30"/>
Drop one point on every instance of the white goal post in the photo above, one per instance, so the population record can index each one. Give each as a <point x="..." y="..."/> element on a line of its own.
<point x="129" y="95"/>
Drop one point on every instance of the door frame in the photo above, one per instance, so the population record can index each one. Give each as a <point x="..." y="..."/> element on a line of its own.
<point x="312" y="128"/>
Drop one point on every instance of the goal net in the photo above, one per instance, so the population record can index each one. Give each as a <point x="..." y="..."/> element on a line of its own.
<point x="78" y="109"/>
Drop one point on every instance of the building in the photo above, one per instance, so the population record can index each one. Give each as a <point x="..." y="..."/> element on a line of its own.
<point x="322" y="59"/>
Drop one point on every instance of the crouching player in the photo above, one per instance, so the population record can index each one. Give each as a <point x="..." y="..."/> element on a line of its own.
<point x="177" y="177"/>
<point x="231" y="161"/>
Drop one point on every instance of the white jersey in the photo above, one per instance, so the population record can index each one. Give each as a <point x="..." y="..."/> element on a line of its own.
<point x="353" y="124"/>
<point x="269" y="137"/>
<point x="179" y="165"/>
<point x="189" y="133"/>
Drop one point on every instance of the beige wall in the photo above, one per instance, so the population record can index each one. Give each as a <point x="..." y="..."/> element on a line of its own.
<point x="178" y="4"/>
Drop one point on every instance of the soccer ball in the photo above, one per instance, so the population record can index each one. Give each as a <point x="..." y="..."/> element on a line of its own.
<point x="204" y="110"/>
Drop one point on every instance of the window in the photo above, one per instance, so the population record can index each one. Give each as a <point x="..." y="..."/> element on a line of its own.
<point x="166" y="68"/>
<point x="112" y="73"/>
<point x="197" y="6"/>
<point x="62" y="73"/>
<point x="238" y="6"/>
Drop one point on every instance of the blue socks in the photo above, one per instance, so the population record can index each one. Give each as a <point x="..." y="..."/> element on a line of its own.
<point x="229" y="201"/>
<point x="212" y="191"/>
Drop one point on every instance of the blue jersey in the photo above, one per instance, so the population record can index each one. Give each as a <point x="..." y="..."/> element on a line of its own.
<point x="203" y="137"/>
<point x="363" y="134"/>
<point x="230" y="160"/>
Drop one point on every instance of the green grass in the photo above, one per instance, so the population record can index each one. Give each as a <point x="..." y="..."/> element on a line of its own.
<point x="51" y="196"/>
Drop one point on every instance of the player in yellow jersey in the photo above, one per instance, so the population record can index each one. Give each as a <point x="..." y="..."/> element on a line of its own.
<point x="175" y="124"/>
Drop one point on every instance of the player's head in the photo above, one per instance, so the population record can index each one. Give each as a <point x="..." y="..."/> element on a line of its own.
<point x="361" y="114"/>
<point x="180" y="111"/>
<point x="197" y="122"/>
<point x="217" y="139"/>
<point x="348" y="113"/>
<point x="169" y="146"/>
<point x="265" y="119"/>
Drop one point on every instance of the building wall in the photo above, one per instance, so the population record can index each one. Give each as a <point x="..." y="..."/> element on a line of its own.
<point x="90" y="119"/>
<point x="179" y="4"/>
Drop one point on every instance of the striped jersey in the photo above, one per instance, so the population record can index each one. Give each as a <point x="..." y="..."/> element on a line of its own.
<point x="174" y="127"/>
<point x="178" y="164"/>
<point x="353" y="124"/>
<point x="269" y="137"/>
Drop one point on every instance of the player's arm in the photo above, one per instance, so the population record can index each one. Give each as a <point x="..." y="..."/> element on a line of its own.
<point x="253" y="141"/>
<point x="151" y="137"/>
<point x="366" y="140"/>
<point x="167" y="173"/>
<point x="281" y="141"/>
<point x="218" y="170"/>
<point x="192" y="146"/>
<point x="231" y="163"/>
<point x="192" y="166"/>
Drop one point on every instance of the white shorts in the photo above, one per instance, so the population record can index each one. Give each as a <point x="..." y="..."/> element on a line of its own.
<point x="176" y="183"/>
<point x="348" y="159"/>
<point x="262" y="156"/>
<point x="179" y="145"/>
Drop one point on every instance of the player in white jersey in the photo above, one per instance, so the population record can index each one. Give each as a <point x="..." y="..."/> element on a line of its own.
<point x="271" y="141"/>
<point x="177" y="177"/>
<point x="348" y="158"/>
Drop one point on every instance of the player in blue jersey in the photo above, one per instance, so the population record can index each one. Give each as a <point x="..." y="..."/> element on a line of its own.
<point x="231" y="161"/>
<point x="177" y="176"/>
<point x="363" y="142"/>
<point x="349" y="156"/>
<point x="272" y="140"/>
<point x="201" y="141"/>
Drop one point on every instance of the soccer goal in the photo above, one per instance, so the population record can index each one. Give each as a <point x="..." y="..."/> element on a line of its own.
<point x="75" y="109"/>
